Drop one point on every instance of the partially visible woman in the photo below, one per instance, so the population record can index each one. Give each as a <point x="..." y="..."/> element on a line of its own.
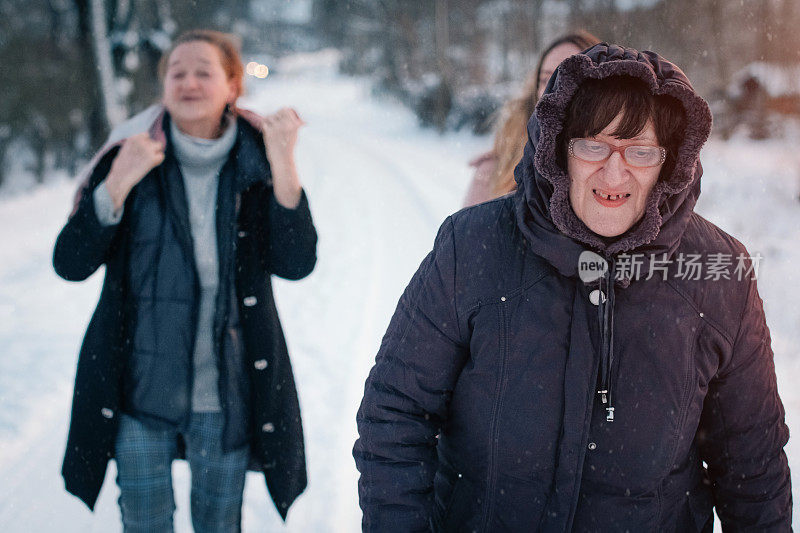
<point x="494" y="170"/>
<point x="184" y="357"/>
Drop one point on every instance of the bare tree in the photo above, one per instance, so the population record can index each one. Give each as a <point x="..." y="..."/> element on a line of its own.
<point x="115" y="112"/>
<point x="716" y="19"/>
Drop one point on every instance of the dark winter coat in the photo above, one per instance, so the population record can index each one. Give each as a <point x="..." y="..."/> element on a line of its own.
<point x="148" y="308"/>
<point x="481" y="412"/>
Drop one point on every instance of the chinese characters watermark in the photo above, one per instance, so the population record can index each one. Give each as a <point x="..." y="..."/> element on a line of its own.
<point x="683" y="266"/>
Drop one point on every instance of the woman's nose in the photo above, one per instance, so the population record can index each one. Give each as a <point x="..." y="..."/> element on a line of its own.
<point x="190" y="81"/>
<point x="614" y="169"/>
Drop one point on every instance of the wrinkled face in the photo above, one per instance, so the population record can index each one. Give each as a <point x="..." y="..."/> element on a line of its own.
<point x="610" y="196"/>
<point x="551" y="61"/>
<point x="196" y="87"/>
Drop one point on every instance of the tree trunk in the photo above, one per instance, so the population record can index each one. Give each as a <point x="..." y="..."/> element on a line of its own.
<point x="98" y="128"/>
<point x="765" y="30"/>
<point x="717" y="21"/>
<point x="4" y="142"/>
<point x="790" y="51"/>
<point x="114" y="112"/>
<point x="442" y="38"/>
<point x="39" y="144"/>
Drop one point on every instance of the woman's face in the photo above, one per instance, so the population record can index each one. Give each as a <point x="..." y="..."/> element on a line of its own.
<point x="196" y="87"/>
<point x="591" y="185"/>
<point x="551" y="61"/>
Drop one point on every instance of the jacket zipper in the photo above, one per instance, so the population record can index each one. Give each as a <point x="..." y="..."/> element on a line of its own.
<point x="229" y="297"/>
<point x="492" y="467"/>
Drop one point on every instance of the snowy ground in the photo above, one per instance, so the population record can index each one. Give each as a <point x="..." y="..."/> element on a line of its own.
<point x="379" y="187"/>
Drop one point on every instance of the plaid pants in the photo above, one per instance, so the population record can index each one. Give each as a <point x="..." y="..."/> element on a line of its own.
<point x="144" y="465"/>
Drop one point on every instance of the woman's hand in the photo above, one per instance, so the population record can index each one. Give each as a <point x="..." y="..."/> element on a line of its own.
<point x="280" y="136"/>
<point x="138" y="156"/>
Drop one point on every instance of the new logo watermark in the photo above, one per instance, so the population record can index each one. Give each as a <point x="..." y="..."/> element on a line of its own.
<point x="591" y="266"/>
<point x="691" y="267"/>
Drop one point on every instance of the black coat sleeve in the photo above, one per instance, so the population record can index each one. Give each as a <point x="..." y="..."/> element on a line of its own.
<point x="290" y="250"/>
<point x="84" y="243"/>
<point x="742" y="432"/>
<point x="406" y="397"/>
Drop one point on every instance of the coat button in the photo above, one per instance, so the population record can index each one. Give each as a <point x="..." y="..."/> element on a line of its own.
<point x="242" y="234"/>
<point x="106" y="412"/>
<point x="250" y="301"/>
<point x="592" y="446"/>
<point x="269" y="427"/>
<point x="596" y="295"/>
<point x="261" y="364"/>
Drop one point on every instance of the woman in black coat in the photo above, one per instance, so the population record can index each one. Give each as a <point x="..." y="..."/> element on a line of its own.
<point x="184" y="355"/>
<point x="559" y="362"/>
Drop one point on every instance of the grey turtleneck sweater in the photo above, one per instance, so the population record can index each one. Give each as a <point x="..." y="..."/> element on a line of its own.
<point x="200" y="161"/>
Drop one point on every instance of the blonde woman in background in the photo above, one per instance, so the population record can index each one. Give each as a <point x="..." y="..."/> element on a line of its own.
<point x="494" y="170"/>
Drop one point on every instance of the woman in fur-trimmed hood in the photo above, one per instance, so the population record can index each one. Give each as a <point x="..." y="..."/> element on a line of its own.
<point x="587" y="354"/>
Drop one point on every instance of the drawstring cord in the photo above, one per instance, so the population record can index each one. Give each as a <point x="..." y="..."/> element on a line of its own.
<point x="605" y="313"/>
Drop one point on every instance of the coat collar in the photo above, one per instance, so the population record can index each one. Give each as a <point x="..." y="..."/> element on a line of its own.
<point x="250" y="156"/>
<point x="246" y="166"/>
<point x="151" y="120"/>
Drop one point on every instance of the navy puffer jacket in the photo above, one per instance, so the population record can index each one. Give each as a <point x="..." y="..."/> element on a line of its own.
<point x="148" y="304"/>
<point x="482" y="412"/>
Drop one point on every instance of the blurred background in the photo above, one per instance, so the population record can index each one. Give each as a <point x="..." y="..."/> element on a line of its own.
<point x="70" y="69"/>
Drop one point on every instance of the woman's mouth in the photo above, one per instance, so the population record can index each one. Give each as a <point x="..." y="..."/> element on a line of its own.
<point x="610" y="200"/>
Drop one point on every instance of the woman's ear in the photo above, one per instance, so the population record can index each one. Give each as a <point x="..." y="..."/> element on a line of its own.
<point x="232" y="92"/>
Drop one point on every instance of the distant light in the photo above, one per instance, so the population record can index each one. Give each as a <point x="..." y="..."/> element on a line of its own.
<point x="256" y="69"/>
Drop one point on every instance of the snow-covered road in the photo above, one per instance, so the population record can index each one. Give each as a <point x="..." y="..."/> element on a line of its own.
<point x="379" y="187"/>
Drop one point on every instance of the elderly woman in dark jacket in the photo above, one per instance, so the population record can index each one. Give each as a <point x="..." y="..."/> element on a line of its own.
<point x="556" y="365"/>
<point x="184" y="355"/>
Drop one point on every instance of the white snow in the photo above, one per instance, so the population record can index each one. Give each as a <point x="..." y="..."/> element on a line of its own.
<point x="379" y="188"/>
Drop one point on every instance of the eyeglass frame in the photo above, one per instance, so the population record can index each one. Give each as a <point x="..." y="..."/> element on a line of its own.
<point x="618" y="149"/>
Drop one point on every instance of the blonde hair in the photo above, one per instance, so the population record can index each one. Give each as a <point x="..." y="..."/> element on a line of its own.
<point x="512" y="120"/>
<point x="228" y="46"/>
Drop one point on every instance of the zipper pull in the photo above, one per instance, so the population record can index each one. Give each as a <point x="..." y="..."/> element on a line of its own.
<point x="603" y="396"/>
<point x="609" y="414"/>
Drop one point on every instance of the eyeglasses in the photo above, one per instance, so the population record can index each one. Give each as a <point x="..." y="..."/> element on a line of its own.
<point x="640" y="156"/>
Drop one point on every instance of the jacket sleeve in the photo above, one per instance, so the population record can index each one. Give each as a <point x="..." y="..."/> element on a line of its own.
<point x="104" y="206"/>
<point x="406" y="397"/>
<point x="742" y="432"/>
<point x="291" y="249"/>
<point x="84" y="242"/>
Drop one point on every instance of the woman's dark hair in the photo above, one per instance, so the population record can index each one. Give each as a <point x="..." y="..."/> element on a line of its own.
<point x="582" y="39"/>
<point x="598" y="102"/>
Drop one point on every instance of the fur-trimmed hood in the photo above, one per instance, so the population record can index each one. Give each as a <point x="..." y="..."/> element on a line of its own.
<point x="542" y="202"/>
